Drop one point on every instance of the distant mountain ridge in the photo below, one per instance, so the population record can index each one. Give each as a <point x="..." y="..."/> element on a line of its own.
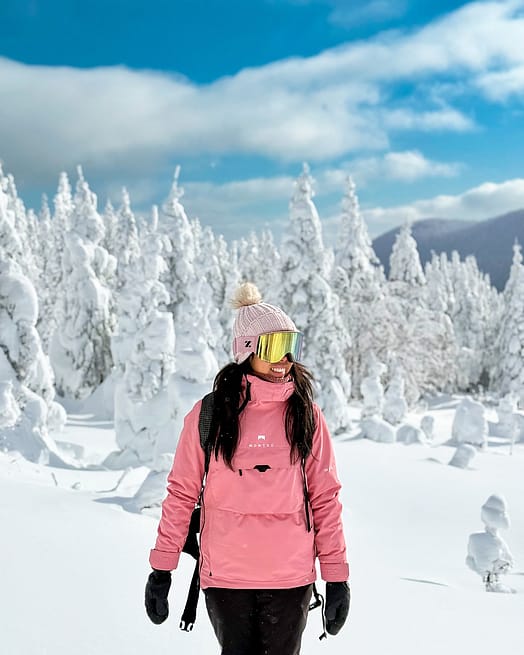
<point x="491" y="241"/>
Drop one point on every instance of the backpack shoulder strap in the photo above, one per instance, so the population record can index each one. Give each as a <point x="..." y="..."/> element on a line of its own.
<point x="205" y="422"/>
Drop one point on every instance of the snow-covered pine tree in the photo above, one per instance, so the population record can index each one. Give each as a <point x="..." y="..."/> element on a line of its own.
<point x="439" y="288"/>
<point x="173" y="222"/>
<point x="404" y="261"/>
<point x="10" y="240"/>
<point x="354" y="251"/>
<point x="307" y="296"/>
<point x="22" y="227"/>
<point x="52" y="260"/>
<point x="27" y="382"/>
<point x="425" y="343"/>
<point x="80" y="351"/>
<point x="10" y="243"/>
<point x="269" y="264"/>
<point x="473" y="305"/>
<point x="259" y="262"/>
<point x="61" y="223"/>
<point x="359" y="282"/>
<point x="144" y="354"/>
<point x="126" y="248"/>
<point x="213" y="263"/>
<point x="508" y="374"/>
<point x="189" y="293"/>
<point x="395" y="405"/>
<point x="248" y="258"/>
<point x="109" y="218"/>
<point x="46" y="294"/>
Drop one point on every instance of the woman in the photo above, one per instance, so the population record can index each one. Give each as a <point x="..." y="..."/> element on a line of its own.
<point x="270" y="503"/>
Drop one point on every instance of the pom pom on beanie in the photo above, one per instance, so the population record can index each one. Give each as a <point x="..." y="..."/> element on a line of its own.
<point x="254" y="318"/>
<point x="246" y="294"/>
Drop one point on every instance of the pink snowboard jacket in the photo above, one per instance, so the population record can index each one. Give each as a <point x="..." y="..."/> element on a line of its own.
<point x="253" y="530"/>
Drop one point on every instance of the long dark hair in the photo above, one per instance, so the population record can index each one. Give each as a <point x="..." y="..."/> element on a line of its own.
<point x="231" y="397"/>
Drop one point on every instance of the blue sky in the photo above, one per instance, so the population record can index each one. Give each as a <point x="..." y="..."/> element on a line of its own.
<point x="422" y="102"/>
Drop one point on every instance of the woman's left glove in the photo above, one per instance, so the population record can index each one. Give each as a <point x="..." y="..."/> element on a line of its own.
<point x="157" y="589"/>
<point x="338" y="598"/>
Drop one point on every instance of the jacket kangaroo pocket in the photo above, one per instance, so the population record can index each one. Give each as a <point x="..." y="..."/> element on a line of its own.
<point x="262" y="490"/>
<point x="256" y="548"/>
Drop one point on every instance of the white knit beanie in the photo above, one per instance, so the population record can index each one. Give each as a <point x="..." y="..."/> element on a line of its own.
<point x="254" y="318"/>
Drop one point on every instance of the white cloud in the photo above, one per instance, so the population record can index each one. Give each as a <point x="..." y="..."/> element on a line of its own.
<point x="500" y="85"/>
<point x="327" y="106"/>
<point x="484" y="201"/>
<point x="404" y="166"/>
<point x="445" y="119"/>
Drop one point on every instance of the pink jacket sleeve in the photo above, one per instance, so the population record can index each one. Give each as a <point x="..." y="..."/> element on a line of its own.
<point x="324" y="486"/>
<point x="183" y="488"/>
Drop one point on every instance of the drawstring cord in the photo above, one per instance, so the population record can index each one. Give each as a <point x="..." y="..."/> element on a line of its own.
<point x="319" y="602"/>
<point x="247" y="397"/>
<point x="306" y="492"/>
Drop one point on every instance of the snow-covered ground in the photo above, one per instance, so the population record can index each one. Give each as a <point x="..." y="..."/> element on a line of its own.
<point x="74" y="561"/>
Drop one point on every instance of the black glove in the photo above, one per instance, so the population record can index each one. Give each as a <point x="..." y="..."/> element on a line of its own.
<point x="157" y="589"/>
<point x="337" y="606"/>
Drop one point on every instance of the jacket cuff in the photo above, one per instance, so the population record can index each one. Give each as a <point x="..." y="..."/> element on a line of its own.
<point x="163" y="561"/>
<point x="334" y="572"/>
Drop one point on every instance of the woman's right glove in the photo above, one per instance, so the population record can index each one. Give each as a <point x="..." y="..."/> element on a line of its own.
<point x="338" y="598"/>
<point x="157" y="589"/>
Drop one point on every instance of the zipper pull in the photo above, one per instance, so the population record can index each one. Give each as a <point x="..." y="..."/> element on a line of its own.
<point x="240" y="472"/>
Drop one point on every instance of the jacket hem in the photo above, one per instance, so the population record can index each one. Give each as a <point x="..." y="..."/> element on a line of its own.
<point x="207" y="581"/>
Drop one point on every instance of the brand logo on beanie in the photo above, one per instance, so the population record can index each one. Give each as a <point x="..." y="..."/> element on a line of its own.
<point x="247" y="344"/>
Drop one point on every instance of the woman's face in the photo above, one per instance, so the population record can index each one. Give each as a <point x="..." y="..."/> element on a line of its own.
<point x="277" y="372"/>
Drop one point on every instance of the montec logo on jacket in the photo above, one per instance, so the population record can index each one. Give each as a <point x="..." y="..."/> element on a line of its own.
<point x="260" y="442"/>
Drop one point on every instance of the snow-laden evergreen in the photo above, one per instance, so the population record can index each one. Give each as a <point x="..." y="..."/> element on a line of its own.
<point x="308" y="297"/>
<point x="424" y="339"/>
<point x="26" y="378"/>
<point x="214" y="264"/>
<point x="53" y="267"/>
<point x="80" y="350"/>
<point x="395" y="405"/>
<point x="358" y="280"/>
<point x="23" y="255"/>
<point x="126" y="247"/>
<point x="465" y="294"/>
<point x="11" y="246"/>
<point x="144" y="354"/>
<point x="46" y="293"/>
<point x="372" y="389"/>
<point x="110" y="220"/>
<point x="353" y="250"/>
<point x="508" y="375"/>
<point x="470" y="425"/>
<point x="488" y="553"/>
<point x="190" y="293"/>
<point x="259" y="262"/>
<point x="211" y="264"/>
<point x="404" y="262"/>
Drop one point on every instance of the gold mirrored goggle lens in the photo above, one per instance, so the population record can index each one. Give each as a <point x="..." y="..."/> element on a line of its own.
<point x="274" y="346"/>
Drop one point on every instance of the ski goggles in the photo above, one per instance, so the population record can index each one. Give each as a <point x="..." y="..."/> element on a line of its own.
<point x="273" y="346"/>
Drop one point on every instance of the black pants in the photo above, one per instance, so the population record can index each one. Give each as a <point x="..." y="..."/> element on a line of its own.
<point x="258" y="621"/>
